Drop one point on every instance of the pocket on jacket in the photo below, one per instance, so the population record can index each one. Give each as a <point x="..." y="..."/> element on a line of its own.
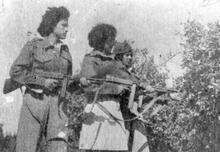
<point x="42" y="56"/>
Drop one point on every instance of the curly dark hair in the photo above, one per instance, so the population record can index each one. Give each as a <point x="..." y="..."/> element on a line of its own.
<point x="50" y="19"/>
<point x="100" y="34"/>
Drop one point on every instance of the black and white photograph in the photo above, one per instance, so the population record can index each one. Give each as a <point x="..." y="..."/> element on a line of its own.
<point x="110" y="75"/>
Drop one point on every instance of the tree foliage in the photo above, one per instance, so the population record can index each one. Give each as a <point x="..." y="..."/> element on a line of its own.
<point x="201" y="57"/>
<point x="191" y="125"/>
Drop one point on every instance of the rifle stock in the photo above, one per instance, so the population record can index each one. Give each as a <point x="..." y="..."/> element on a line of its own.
<point x="10" y="85"/>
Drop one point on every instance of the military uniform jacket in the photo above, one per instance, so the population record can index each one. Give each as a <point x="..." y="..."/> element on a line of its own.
<point x="97" y="65"/>
<point x="39" y="55"/>
<point x="95" y="133"/>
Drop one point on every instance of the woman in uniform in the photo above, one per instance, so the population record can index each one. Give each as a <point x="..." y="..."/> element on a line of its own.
<point x="40" y="109"/>
<point x="102" y="130"/>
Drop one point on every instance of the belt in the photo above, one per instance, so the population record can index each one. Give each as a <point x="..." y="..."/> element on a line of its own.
<point x="39" y="93"/>
<point x="34" y="94"/>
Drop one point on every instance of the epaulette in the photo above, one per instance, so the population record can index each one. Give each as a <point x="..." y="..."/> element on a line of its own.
<point x="36" y="39"/>
<point x="100" y="55"/>
<point x="34" y="43"/>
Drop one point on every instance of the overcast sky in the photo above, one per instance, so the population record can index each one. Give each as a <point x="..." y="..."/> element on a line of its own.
<point x="152" y="24"/>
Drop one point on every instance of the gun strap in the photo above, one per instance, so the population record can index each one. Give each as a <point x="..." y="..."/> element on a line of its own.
<point x="106" y="111"/>
<point x="96" y="137"/>
<point x="95" y="97"/>
<point x="60" y="139"/>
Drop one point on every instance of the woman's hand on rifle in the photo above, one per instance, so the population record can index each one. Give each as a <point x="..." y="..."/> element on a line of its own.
<point x="50" y="84"/>
<point x="84" y="81"/>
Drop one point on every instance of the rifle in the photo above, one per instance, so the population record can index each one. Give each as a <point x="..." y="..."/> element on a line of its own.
<point x="115" y="80"/>
<point x="64" y="80"/>
<point x="110" y="79"/>
<point x="147" y="99"/>
<point x="137" y="94"/>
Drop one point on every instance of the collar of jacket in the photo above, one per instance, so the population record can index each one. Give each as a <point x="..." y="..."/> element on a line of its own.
<point x="47" y="45"/>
